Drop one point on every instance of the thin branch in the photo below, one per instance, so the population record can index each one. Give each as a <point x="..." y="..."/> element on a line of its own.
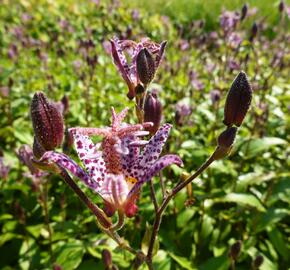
<point x="162" y="185"/>
<point x="159" y="214"/>
<point x="153" y="196"/>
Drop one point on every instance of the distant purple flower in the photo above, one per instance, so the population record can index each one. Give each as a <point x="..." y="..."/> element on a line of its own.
<point x="184" y="45"/>
<point x="135" y="14"/>
<point x="182" y="110"/>
<point x="4" y="91"/>
<point x="195" y="82"/>
<point x="107" y="46"/>
<point x="288" y="11"/>
<point x="234" y="40"/>
<point x="77" y="64"/>
<point x="210" y="67"/>
<point x="12" y="51"/>
<point x="215" y="96"/>
<point x="229" y="20"/>
<point x="233" y="64"/>
<point x="25" y="17"/>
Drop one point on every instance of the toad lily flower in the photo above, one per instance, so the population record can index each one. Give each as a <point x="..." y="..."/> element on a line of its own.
<point x="145" y="59"/>
<point x="117" y="168"/>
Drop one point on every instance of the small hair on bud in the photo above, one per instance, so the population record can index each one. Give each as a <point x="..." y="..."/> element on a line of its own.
<point x="152" y="112"/>
<point x="235" y="250"/>
<point x="145" y="66"/>
<point x="258" y="261"/>
<point x="47" y="122"/>
<point x="238" y="101"/>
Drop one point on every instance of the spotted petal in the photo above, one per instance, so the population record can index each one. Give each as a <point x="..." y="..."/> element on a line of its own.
<point x="65" y="162"/>
<point x="158" y="166"/>
<point x="153" y="149"/>
<point x="91" y="158"/>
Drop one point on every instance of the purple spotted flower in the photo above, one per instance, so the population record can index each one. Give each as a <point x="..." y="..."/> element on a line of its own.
<point x="117" y="168"/>
<point x="128" y="69"/>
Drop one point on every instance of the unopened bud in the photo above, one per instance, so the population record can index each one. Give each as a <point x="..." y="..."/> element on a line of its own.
<point x="244" y="12"/>
<point x="47" y="122"/>
<point x="238" y="101"/>
<point x="65" y="103"/>
<point x="235" y="250"/>
<point x="145" y="66"/>
<point x="258" y="261"/>
<point x="107" y="258"/>
<point x="57" y="267"/>
<point x="227" y="137"/>
<point x="281" y="6"/>
<point x="37" y="149"/>
<point x="254" y="31"/>
<point x="152" y="112"/>
<point x="225" y="143"/>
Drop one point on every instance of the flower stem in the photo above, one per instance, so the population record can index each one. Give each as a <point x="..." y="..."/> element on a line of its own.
<point x="159" y="213"/>
<point x="153" y="196"/>
<point x="100" y="215"/>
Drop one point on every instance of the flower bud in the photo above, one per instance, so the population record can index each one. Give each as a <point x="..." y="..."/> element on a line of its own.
<point x="227" y="137"/>
<point x="65" y="102"/>
<point x="145" y="66"/>
<point x="257" y="262"/>
<point x="107" y="258"/>
<point x="152" y="112"/>
<point x="47" y="122"/>
<point x="254" y="31"/>
<point x="281" y="6"/>
<point x="238" y="101"/>
<point x="225" y="143"/>
<point x="244" y="12"/>
<point x="37" y="149"/>
<point x="235" y="250"/>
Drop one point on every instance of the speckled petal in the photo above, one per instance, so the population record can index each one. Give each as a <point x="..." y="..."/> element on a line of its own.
<point x="153" y="149"/>
<point x="65" y="162"/>
<point x="155" y="169"/>
<point x="90" y="157"/>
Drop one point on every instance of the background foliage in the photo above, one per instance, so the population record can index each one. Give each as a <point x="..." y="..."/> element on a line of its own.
<point x="61" y="48"/>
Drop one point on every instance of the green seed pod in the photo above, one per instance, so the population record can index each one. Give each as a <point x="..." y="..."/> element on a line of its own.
<point x="145" y="66"/>
<point x="238" y="101"/>
<point x="47" y="122"/>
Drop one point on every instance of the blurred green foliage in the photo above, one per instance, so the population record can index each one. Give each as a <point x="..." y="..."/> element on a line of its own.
<point x="44" y="46"/>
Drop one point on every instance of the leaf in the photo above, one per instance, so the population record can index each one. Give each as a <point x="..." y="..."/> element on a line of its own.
<point x="243" y="200"/>
<point x="183" y="262"/>
<point x="217" y="263"/>
<point x="70" y="255"/>
<point x="254" y="147"/>
<point x="184" y="217"/>
<point x="279" y="243"/>
<point x="146" y="241"/>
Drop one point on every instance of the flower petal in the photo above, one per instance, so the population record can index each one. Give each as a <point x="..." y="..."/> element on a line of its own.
<point x="90" y="157"/>
<point x="153" y="149"/>
<point x="65" y="162"/>
<point x="155" y="169"/>
<point x="114" y="189"/>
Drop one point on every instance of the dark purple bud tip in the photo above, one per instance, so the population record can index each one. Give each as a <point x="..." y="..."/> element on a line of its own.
<point x="235" y="250"/>
<point x="47" y="122"/>
<point x="281" y="6"/>
<point x="258" y="261"/>
<point x="227" y="137"/>
<point x="139" y="89"/>
<point x="152" y="112"/>
<point x="107" y="258"/>
<point x="244" y="12"/>
<point x="238" y="101"/>
<point x="145" y="66"/>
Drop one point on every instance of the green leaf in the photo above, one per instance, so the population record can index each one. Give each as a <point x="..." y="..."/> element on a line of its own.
<point x="254" y="147"/>
<point x="184" y="217"/>
<point x="217" y="263"/>
<point x="182" y="261"/>
<point x="243" y="200"/>
<point x="70" y="255"/>
<point x="279" y="243"/>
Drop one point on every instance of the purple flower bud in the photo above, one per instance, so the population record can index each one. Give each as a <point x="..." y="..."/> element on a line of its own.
<point x="107" y="258"/>
<point x="37" y="149"/>
<point x="227" y="137"/>
<point x="238" y="101"/>
<point x="65" y="103"/>
<point x="152" y="112"/>
<point x="281" y="6"/>
<point x="47" y="122"/>
<point x="258" y="261"/>
<point x="244" y="12"/>
<point x="254" y="31"/>
<point x="57" y="267"/>
<point x="145" y="66"/>
<point x="235" y="250"/>
<point x="215" y="96"/>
